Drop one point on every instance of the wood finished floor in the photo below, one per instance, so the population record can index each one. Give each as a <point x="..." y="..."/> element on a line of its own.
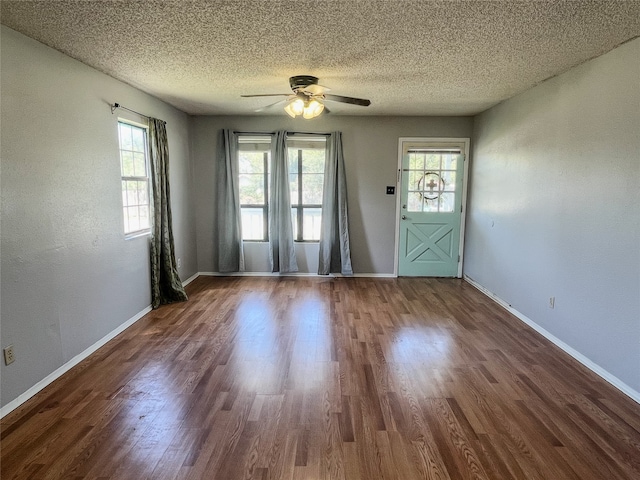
<point x="310" y="378"/>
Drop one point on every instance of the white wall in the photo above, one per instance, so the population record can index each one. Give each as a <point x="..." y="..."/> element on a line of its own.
<point x="555" y="208"/>
<point x="371" y="158"/>
<point x="69" y="277"/>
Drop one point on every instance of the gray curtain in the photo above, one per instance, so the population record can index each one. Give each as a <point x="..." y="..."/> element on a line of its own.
<point x="166" y="286"/>
<point x="282" y="254"/>
<point x="230" y="251"/>
<point x="335" y="252"/>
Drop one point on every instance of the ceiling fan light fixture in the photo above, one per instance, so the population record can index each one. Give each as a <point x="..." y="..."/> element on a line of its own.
<point x="308" y="98"/>
<point x="313" y="109"/>
<point x="295" y="107"/>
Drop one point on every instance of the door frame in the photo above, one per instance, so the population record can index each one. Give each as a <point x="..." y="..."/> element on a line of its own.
<point x="465" y="182"/>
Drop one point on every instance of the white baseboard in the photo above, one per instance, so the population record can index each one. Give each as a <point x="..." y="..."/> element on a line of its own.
<point x="367" y="275"/>
<point x="9" y="407"/>
<point x="190" y="279"/>
<point x="257" y="274"/>
<point x="594" y="367"/>
<point x="296" y="274"/>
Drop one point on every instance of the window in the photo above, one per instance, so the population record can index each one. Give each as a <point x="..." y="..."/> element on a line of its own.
<point x="432" y="179"/>
<point x="306" y="181"/>
<point x="306" y="157"/>
<point x="134" y="168"/>
<point x="254" y="156"/>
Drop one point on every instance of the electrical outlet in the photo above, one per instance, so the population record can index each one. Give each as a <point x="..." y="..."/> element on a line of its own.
<point x="552" y="302"/>
<point x="179" y="262"/>
<point x="9" y="355"/>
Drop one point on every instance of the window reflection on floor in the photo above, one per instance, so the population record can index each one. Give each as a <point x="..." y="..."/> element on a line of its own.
<point x="420" y="345"/>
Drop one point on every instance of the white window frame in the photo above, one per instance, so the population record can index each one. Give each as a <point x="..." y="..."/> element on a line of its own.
<point x="137" y="178"/>
<point x="263" y="143"/>
<point x="260" y="143"/>
<point x="300" y="143"/>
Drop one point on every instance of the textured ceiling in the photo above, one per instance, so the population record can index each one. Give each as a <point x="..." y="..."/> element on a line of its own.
<point x="409" y="57"/>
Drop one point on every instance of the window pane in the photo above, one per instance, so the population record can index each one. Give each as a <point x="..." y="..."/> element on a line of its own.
<point x="432" y="161"/>
<point x="134" y="220"/>
<point x="449" y="181"/>
<point x="447" y="202"/>
<point x="143" y="193"/>
<point x="449" y="162"/>
<point x="431" y="205"/>
<point x="251" y="189"/>
<point x="311" y="220"/>
<point x="294" y="222"/>
<point x="313" y="161"/>
<point x="415" y="202"/>
<point x="125" y="214"/>
<point x="126" y="163"/>
<point x="306" y="172"/>
<point x="133" y="163"/>
<point x="252" y="223"/>
<point x="431" y="184"/>
<point x="125" y="136"/>
<point x="139" y="165"/>
<point x="144" y="217"/>
<point x="132" y="194"/>
<point x="251" y="162"/>
<point x="293" y="160"/>
<point x="293" y="188"/>
<point x="138" y="139"/>
<point x="414" y="178"/>
<point x="416" y="161"/>
<point x="312" y="189"/>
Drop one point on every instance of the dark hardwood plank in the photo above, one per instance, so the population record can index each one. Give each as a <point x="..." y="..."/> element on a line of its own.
<point x="347" y="378"/>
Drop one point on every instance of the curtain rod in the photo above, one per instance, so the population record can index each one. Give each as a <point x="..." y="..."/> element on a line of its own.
<point x="288" y="133"/>
<point x="117" y="105"/>
<point x="310" y="133"/>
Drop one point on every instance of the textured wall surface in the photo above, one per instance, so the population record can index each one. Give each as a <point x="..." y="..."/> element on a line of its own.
<point x="371" y="161"/>
<point x="69" y="277"/>
<point x="555" y="208"/>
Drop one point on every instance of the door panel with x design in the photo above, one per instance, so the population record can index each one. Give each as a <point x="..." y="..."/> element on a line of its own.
<point x="430" y="214"/>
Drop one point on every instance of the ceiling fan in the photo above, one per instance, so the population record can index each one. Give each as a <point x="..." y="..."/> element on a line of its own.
<point x="308" y="98"/>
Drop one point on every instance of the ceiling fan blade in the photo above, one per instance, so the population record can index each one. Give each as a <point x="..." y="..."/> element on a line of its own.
<point x="267" y="95"/>
<point x="315" y="89"/>
<point x="267" y="107"/>
<point x="354" y="101"/>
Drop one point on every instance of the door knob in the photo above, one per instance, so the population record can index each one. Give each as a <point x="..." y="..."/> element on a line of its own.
<point x="404" y="217"/>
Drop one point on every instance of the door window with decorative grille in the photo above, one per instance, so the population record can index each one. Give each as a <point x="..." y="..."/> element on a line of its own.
<point x="432" y="179"/>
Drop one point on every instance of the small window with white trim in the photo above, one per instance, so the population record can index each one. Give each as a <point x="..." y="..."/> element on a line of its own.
<point x="306" y="182"/>
<point x="134" y="169"/>
<point x="254" y="157"/>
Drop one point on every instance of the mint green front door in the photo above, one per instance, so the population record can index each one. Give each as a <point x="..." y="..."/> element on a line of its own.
<point x="430" y="209"/>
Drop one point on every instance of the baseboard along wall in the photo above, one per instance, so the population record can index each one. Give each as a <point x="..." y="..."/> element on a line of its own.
<point x="594" y="367"/>
<point x="612" y="379"/>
